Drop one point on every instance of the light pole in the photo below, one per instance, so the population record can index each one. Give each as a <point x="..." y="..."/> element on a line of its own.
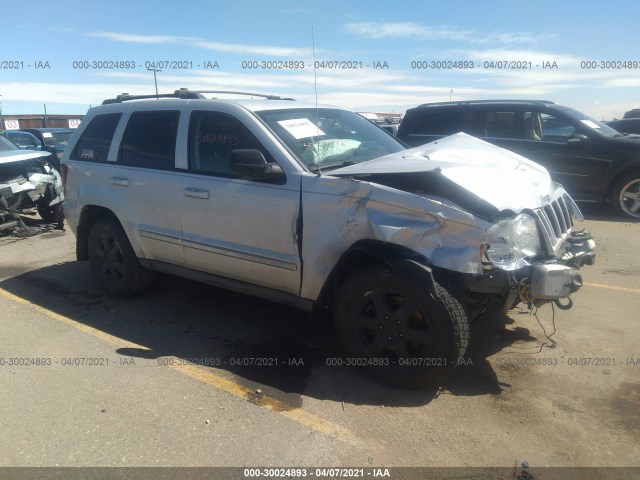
<point x="155" y="80"/>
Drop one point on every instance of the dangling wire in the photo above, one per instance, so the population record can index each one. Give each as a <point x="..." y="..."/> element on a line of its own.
<point x="550" y="342"/>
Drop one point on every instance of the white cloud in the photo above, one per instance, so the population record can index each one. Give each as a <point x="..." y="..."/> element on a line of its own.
<point x="383" y="30"/>
<point x="134" y="38"/>
<point x="235" y="48"/>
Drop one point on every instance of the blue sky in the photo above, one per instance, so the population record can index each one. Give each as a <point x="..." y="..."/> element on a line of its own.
<point x="399" y="34"/>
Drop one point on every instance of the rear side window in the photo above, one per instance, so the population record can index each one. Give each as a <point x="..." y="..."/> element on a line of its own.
<point x="95" y="141"/>
<point x="442" y="122"/>
<point x="149" y="140"/>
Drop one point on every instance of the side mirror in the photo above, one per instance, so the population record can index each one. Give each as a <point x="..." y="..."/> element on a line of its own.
<point x="577" y="139"/>
<point x="251" y="165"/>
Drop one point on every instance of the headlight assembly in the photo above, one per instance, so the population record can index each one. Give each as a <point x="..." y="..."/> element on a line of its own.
<point x="510" y="241"/>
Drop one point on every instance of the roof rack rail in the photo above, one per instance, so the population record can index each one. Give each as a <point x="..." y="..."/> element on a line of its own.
<point x="182" y="93"/>
<point x="249" y="94"/>
<point x="186" y="94"/>
<point x="497" y="100"/>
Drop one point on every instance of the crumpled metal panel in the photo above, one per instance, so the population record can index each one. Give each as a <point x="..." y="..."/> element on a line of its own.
<point x="11" y="156"/>
<point x="338" y="212"/>
<point x="504" y="179"/>
<point x="36" y="185"/>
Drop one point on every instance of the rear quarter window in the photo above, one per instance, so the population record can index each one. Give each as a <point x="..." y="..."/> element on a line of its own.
<point x="94" y="144"/>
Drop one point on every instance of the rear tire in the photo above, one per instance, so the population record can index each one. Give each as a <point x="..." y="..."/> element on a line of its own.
<point x="402" y="333"/>
<point x="113" y="261"/>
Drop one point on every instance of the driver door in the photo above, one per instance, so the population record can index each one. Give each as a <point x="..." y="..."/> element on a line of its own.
<point x="237" y="228"/>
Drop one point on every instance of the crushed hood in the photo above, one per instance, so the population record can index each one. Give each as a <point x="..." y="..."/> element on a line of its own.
<point x="10" y="156"/>
<point x="499" y="177"/>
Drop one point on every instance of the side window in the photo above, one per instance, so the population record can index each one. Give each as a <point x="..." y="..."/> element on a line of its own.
<point x="500" y="124"/>
<point x="149" y="140"/>
<point x="556" y="129"/>
<point x="212" y="137"/>
<point x="93" y="145"/>
<point x="442" y="122"/>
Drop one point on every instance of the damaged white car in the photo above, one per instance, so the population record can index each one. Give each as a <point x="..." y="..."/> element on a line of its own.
<point x="316" y="207"/>
<point x="28" y="182"/>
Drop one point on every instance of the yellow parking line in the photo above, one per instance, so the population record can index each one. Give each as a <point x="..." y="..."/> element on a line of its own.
<point x="120" y="342"/>
<point x="300" y="416"/>
<point x="210" y="378"/>
<point x="612" y="287"/>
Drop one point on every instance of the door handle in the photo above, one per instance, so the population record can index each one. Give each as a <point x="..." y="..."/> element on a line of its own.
<point x="120" y="181"/>
<point x="196" y="193"/>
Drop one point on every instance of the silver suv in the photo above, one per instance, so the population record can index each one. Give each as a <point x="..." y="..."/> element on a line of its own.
<point x="316" y="207"/>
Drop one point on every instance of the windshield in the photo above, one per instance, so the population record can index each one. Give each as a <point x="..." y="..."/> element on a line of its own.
<point x="56" y="139"/>
<point x="593" y="124"/>
<point x="328" y="138"/>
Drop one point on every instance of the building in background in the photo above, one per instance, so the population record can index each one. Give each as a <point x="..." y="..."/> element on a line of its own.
<point x="17" y="122"/>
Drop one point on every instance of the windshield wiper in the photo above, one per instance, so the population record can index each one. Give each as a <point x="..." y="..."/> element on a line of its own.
<point x="338" y="165"/>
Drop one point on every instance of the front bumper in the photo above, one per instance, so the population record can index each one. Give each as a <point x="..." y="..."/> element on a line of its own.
<point x="560" y="278"/>
<point x="543" y="281"/>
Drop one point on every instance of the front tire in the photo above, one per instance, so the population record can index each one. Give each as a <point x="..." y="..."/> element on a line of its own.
<point x="113" y="261"/>
<point x="410" y="337"/>
<point x="626" y="196"/>
<point x="53" y="214"/>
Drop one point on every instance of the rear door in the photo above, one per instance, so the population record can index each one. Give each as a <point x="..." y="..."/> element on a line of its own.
<point x="144" y="182"/>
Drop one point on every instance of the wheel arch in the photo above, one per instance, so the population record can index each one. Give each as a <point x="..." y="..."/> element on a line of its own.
<point x="88" y="217"/>
<point x="367" y="252"/>
<point x="618" y="176"/>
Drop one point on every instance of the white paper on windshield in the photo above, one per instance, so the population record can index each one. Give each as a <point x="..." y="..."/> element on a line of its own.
<point x="589" y="123"/>
<point x="301" y="128"/>
<point x="47" y="135"/>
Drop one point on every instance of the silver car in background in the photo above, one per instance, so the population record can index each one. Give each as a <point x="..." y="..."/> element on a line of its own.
<point x="28" y="181"/>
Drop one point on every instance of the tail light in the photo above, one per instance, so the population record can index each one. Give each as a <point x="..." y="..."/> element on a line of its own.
<point x="63" y="173"/>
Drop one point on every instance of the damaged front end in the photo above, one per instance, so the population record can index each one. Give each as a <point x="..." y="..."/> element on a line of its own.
<point x="519" y="244"/>
<point x="536" y="256"/>
<point x="28" y="182"/>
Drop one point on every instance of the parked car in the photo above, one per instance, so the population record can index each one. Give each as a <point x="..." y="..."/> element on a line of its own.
<point x="391" y="128"/>
<point x="28" y="181"/>
<point x="52" y="140"/>
<point x="382" y="122"/>
<point x="626" y="125"/>
<point x="591" y="160"/>
<point x="315" y="207"/>
<point x="25" y="140"/>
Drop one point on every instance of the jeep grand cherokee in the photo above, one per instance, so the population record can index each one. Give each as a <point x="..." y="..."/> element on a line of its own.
<point x="315" y="207"/>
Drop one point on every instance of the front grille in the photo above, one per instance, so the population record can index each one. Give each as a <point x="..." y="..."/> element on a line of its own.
<point x="555" y="222"/>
